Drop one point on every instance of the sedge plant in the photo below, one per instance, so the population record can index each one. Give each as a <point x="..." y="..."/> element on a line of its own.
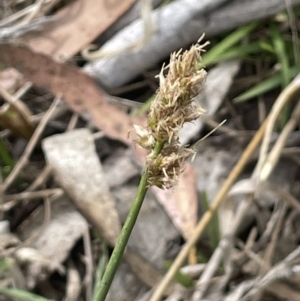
<point x="173" y="106"/>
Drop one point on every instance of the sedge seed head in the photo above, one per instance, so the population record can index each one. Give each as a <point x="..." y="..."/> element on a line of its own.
<point x="173" y="106"/>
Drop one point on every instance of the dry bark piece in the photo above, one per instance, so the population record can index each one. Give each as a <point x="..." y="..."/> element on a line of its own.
<point x="84" y="19"/>
<point x="77" y="89"/>
<point x="78" y="170"/>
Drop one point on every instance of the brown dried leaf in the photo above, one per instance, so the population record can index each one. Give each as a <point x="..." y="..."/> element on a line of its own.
<point x="181" y="202"/>
<point x="75" y="26"/>
<point x="78" y="89"/>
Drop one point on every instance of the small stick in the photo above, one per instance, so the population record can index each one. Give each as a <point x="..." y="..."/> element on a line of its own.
<point x="31" y="194"/>
<point x="29" y="148"/>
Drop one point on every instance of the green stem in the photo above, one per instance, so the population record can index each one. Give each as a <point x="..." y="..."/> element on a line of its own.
<point x="157" y="148"/>
<point x="122" y="241"/>
<point x="5" y="156"/>
<point x="118" y="251"/>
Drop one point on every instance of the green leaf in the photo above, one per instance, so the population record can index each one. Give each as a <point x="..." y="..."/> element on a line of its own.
<point x="5" y="264"/>
<point x="6" y="161"/>
<point x="236" y="52"/>
<point x="279" y="47"/>
<point x="283" y="59"/>
<point x="213" y="230"/>
<point x="267" y="46"/>
<point x="183" y="279"/>
<point x="145" y="107"/>
<point x="232" y="39"/>
<point x="265" y="86"/>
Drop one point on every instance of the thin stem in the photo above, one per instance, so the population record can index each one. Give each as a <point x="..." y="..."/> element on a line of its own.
<point x="157" y="148"/>
<point x="118" y="251"/>
<point x="117" y="254"/>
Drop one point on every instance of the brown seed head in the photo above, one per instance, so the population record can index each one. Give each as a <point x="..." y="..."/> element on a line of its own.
<point x="173" y="106"/>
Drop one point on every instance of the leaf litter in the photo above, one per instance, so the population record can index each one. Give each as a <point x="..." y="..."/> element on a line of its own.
<point x="260" y="235"/>
<point x="79" y="91"/>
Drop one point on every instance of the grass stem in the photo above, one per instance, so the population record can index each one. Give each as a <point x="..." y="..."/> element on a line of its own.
<point x="118" y="251"/>
<point x="122" y="241"/>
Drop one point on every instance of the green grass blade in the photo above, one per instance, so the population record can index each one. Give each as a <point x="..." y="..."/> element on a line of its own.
<point x="213" y="229"/>
<point x="181" y="278"/>
<point x="6" y="161"/>
<point x="20" y="294"/>
<point x="280" y="51"/>
<point x="237" y="52"/>
<point x="5" y="264"/>
<point x="145" y="107"/>
<point x="267" y="47"/>
<point x="283" y="59"/>
<point x="265" y="86"/>
<point x="102" y="263"/>
<point x="228" y="42"/>
<point x="5" y="157"/>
